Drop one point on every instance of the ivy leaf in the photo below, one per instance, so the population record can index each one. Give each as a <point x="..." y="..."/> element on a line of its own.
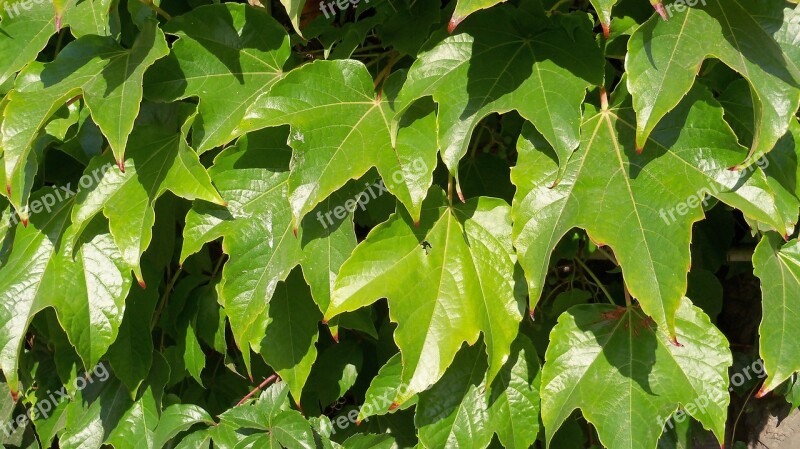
<point x="294" y="8"/>
<point x="384" y="388"/>
<point x="603" y="9"/>
<point x="87" y="17"/>
<point x="87" y="288"/>
<point x="257" y="234"/>
<point x="462" y="410"/>
<point x="270" y="413"/>
<point x="756" y="39"/>
<point x="621" y="371"/>
<point x="227" y="55"/>
<point x="108" y="76"/>
<point x="289" y="344"/>
<point x="528" y="68"/>
<point x="466" y="7"/>
<point x="177" y="418"/>
<point x="316" y="95"/>
<point x="447" y="280"/>
<point x="131" y="354"/>
<point x="137" y="425"/>
<point x="23" y="34"/>
<point x="93" y="415"/>
<point x="654" y="197"/>
<point x="777" y="265"/>
<point x="158" y="160"/>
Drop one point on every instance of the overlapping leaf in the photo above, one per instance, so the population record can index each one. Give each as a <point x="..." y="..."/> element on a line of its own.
<point x="23" y="34"/>
<point x="257" y="234"/>
<point x="627" y="378"/>
<point x="535" y="66"/>
<point x="643" y="206"/>
<point x="463" y="411"/>
<point x="447" y="280"/>
<point x="466" y="7"/>
<point x="227" y="55"/>
<point x="757" y="39"/>
<point x="158" y="159"/>
<point x="778" y="267"/>
<point x="276" y="425"/>
<point x="340" y="129"/>
<point x="87" y="288"/>
<point x="108" y="77"/>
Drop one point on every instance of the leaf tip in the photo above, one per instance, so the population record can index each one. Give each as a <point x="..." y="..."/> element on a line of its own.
<point x="14" y="395"/>
<point x="140" y="280"/>
<point x="121" y="165"/>
<point x="675" y="342"/>
<point x="660" y="10"/>
<point x="394" y="406"/>
<point x="8" y="189"/>
<point x="358" y="422"/>
<point x="335" y="336"/>
<point x="454" y="22"/>
<point x="639" y="149"/>
<point x="606" y="30"/>
<point x="294" y="231"/>
<point x="763" y="391"/>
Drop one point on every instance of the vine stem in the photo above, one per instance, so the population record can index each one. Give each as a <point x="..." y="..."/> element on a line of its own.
<point x="735" y="423"/>
<point x="266" y="382"/>
<point x="595" y="279"/>
<point x="157" y="9"/>
<point x="164" y="298"/>
<point x="386" y="70"/>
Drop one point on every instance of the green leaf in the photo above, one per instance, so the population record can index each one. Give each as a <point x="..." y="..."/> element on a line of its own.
<point x="131" y="354"/>
<point x="527" y="68"/>
<point x="294" y="9"/>
<point x="447" y="280"/>
<point x="289" y="344"/>
<point x="227" y="55"/>
<point x="177" y="418"/>
<point x="627" y="378"/>
<point x="94" y="414"/>
<point x="24" y="33"/>
<point x="777" y="265"/>
<point x="253" y="176"/>
<point x="466" y="7"/>
<point x="193" y="357"/>
<point x="283" y="426"/>
<point x="326" y="156"/>
<point x="461" y="410"/>
<point x="603" y="9"/>
<point x="157" y="160"/>
<point x="87" y="17"/>
<point x="756" y="39"/>
<point x="135" y="430"/>
<point x="87" y="288"/>
<point x="384" y="388"/>
<point x="108" y="77"/>
<point x="642" y="206"/>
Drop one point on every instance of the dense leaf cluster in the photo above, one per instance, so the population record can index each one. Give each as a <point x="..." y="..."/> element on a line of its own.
<point x="392" y="223"/>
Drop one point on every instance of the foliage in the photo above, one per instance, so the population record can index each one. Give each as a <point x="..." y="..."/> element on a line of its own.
<point x="393" y="223"/>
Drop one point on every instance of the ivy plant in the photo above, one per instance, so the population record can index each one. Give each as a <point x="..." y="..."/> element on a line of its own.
<point x="396" y="223"/>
